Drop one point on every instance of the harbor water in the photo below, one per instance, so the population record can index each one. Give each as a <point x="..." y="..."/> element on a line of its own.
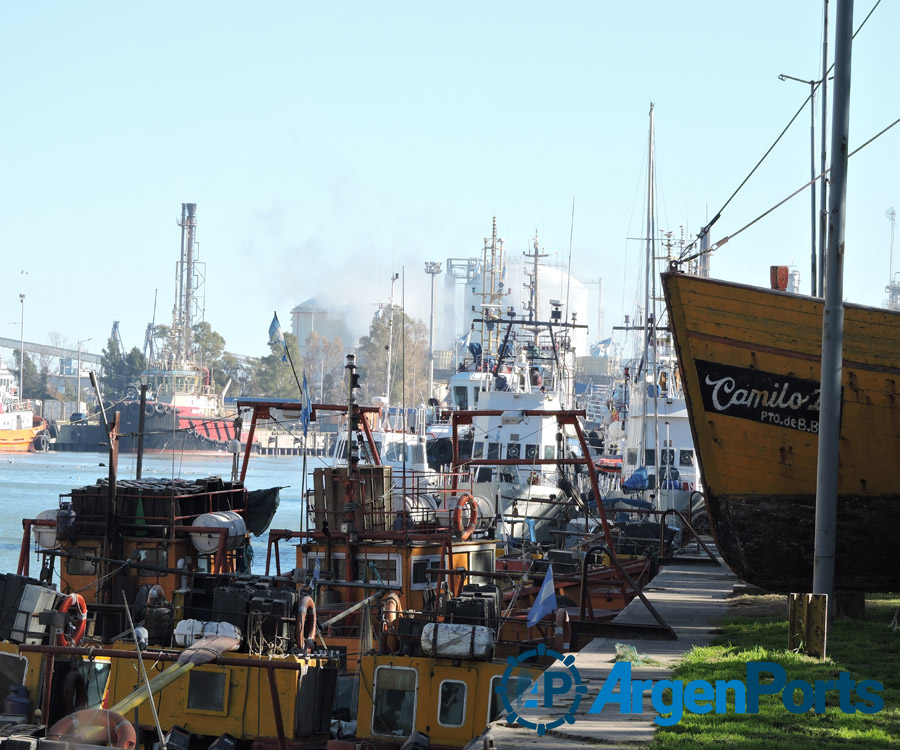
<point x="33" y="482"/>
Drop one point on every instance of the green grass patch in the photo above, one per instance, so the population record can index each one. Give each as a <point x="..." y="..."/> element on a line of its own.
<point x="867" y="649"/>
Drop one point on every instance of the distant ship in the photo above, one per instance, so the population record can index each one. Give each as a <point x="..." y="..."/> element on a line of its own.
<point x="751" y="361"/>
<point x="182" y="411"/>
<point x="20" y="429"/>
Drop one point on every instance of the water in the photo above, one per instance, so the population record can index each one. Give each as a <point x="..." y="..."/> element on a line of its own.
<point x="32" y="482"/>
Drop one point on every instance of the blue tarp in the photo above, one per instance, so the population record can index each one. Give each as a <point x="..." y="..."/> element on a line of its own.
<point x="637" y="481"/>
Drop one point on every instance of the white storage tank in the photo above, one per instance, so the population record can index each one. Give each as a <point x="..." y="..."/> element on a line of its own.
<point x="207" y="543"/>
<point x="189" y="631"/>
<point x="457" y="641"/>
<point x="45" y="536"/>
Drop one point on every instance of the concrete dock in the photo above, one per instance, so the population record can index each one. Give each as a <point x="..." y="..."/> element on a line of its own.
<point x="691" y="599"/>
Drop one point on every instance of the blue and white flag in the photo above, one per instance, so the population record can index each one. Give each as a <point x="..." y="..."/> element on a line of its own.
<point x="306" y="411"/>
<point x="545" y="602"/>
<point x="315" y="575"/>
<point x="276" y="335"/>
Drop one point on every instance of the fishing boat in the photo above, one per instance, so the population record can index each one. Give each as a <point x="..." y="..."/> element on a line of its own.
<point x="21" y="430"/>
<point x="751" y="360"/>
<point x="517" y="364"/>
<point x="182" y="411"/>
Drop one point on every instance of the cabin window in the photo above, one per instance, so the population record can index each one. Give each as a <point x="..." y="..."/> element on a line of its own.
<point x="632" y="456"/>
<point x="518" y="683"/>
<point x="83" y="566"/>
<point x="493" y="449"/>
<point x="481" y="561"/>
<point x="667" y="457"/>
<point x="154" y="557"/>
<point x="371" y="569"/>
<point x="549" y="451"/>
<point x="650" y="457"/>
<point x="531" y="450"/>
<point x="512" y="450"/>
<point x="208" y="692"/>
<point x="686" y="458"/>
<point x="461" y="397"/>
<point x="394" y="703"/>
<point x="477" y="449"/>
<point x="420" y="576"/>
<point x="452" y="703"/>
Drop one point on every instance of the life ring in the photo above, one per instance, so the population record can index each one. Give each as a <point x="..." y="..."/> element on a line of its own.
<point x="562" y="631"/>
<point x="390" y="612"/>
<point x="465" y="499"/>
<point x="95" y="725"/>
<point x="77" y="600"/>
<point x="306" y="624"/>
<point x="74" y="691"/>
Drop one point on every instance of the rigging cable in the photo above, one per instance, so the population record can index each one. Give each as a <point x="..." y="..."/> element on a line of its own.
<point x="708" y="226"/>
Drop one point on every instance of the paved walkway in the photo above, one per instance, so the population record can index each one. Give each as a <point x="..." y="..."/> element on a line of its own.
<point x="691" y="599"/>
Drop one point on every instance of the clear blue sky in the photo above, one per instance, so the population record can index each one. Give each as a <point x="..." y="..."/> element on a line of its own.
<point x="328" y="144"/>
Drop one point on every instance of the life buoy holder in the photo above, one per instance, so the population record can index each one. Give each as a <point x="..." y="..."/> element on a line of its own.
<point x="390" y="612"/>
<point x="306" y="624"/>
<point x="562" y="631"/>
<point x="74" y="691"/>
<point x="465" y="499"/>
<point x="78" y="600"/>
<point x="95" y="725"/>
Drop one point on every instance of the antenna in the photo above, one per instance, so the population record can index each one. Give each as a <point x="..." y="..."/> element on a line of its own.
<point x="892" y="288"/>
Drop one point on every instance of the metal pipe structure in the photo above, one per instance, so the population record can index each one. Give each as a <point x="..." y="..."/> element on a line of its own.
<point x="22" y="351"/>
<point x="433" y="269"/>
<point x="833" y="317"/>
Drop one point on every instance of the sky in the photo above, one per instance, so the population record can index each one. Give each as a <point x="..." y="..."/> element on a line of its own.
<point x="329" y="145"/>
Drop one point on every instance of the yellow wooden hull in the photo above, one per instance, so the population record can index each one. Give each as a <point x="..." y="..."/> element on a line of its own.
<point x="19" y="441"/>
<point x="751" y="360"/>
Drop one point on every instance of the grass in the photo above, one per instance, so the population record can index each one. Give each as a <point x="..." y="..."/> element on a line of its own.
<point x="868" y="649"/>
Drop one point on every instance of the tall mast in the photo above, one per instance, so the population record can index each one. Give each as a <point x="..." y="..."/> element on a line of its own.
<point x="188" y="224"/>
<point x="649" y="310"/>
<point x="533" y="288"/>
<point x="492" y="291"/>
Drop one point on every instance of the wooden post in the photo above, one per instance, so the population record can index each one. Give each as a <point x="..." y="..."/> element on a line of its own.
<point x="808" y="624"/>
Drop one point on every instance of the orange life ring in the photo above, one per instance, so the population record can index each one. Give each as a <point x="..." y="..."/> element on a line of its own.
<point x="95" y="725"/>
<point x="562" y="632"/>
<point x="465" y="499"/>
<point x="78" y="600"/>
<point x="306" y="623"/>
<point x="390" y="611"/>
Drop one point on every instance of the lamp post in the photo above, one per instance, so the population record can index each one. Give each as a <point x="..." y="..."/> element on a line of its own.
<point x="22" y="350"/>
<point x="78" y="377"/>
<point x="812" y="168"/>
<point x="432" y="269"/>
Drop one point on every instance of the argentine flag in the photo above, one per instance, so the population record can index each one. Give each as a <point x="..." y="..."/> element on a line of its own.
<point x="275" y="334"/>
<point x="545" y="602"/>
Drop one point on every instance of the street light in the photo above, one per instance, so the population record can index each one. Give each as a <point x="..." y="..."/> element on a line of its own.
<point x="78" y="377"/>
<point x="432" y="269"/>
<point x="812" y="166"/>
<point x="22" y="350"/>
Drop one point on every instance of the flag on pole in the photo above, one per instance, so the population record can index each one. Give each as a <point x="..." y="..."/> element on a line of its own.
<point x="276" y="334"/>
<point x="546" y="600"/>
<point x="306" y="411"/>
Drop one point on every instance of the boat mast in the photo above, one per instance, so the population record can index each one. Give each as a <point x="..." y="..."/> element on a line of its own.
<point x="492" y="292"/>
<point x="650" y="316"/>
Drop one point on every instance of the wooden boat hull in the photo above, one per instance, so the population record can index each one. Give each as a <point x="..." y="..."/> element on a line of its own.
<point x="751" y="360"/>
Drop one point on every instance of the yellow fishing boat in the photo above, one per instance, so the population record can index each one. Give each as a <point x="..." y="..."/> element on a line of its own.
<point x="751" y="361"/>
